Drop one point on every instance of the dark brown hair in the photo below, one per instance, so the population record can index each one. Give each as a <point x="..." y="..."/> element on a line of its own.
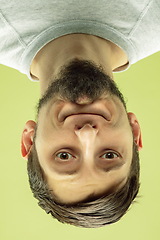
<point x="97" y="213"/>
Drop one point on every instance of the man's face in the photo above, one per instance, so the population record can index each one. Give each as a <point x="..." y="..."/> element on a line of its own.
<point x="84" y="139"/>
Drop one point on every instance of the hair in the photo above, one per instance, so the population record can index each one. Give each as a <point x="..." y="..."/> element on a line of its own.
<point x="93" y="214"/>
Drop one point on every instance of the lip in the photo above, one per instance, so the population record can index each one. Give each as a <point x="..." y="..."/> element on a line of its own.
<point x="93" y="109"/>
<point x="79" y="120"/>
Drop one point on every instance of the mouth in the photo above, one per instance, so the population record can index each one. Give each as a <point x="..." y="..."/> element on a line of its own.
<point x="84" y="114"/>
<point x="71" y="109"/>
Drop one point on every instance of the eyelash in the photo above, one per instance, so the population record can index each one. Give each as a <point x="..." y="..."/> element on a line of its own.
<point x="64" y="153"/>
<point x="112" y="153"/>
<point x="109" y="152"/>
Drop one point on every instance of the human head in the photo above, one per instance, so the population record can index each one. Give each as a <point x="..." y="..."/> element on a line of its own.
<point x="87" y="132"/>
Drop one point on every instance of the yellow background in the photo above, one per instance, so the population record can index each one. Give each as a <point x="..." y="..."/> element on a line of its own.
<point x="20" y="216"/>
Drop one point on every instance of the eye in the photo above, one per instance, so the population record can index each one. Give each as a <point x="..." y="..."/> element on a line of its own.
<point x="64" y="156"/>
<point x="110" y="155"/>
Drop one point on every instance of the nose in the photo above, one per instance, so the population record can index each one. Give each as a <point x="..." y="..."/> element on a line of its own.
<point x="87" y="135"/>
<point x="86" y="129"/>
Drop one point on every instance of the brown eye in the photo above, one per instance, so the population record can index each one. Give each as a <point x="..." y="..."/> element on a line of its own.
<point x="64" y="156"/>
<point x="110" y="155"/>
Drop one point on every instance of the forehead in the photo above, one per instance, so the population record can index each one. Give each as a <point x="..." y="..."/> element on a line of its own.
<point x="71" y="188"/>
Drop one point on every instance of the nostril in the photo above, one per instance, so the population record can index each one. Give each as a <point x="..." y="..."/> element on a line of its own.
<point x="77" y="127"/>
<point x="80" y="127"/>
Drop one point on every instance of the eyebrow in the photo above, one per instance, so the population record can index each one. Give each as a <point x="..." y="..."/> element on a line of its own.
<point x="114" y="167"/>
<point x="105" y="169"/>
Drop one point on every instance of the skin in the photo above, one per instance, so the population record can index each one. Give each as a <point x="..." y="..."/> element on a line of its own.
<point x="84" y="155"/>
<point x="63" y="50"/>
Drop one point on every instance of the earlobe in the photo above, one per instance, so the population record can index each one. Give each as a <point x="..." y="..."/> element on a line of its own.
<point x="136" y="130"/>
<point x="27" y="138"/>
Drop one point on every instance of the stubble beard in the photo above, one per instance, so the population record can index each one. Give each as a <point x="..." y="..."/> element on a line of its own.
<point x="80" y="79"/>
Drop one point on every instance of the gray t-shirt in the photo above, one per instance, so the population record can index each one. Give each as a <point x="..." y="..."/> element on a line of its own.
<point x="26" y="26"/>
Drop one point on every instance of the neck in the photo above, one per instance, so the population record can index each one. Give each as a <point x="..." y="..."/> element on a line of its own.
<point x="59" y="52"/>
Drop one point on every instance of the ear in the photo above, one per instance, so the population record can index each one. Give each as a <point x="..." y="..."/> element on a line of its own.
<point x="27" y="138"/>
<point x="136" y="130"/>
